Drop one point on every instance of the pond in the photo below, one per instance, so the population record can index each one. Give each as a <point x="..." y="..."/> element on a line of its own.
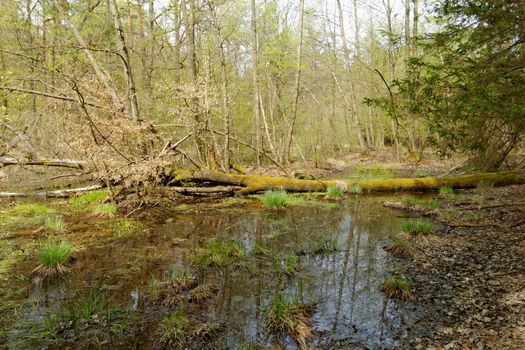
<point x="327" y="258"/>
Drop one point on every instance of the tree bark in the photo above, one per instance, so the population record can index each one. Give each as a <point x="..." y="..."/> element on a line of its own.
<point x="255" y="101"/>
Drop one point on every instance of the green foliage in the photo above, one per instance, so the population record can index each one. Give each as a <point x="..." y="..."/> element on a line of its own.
<point x="484" y="185"/>
<point x="289" y="317"/>
<point x="290" y="264"/>
<point x="417" y="226"/>
<point x="334" y="191"/>
<point x="446" y="191"/>
<point x="89" y="199"/>
<point x="105" y="209"/>
<point x="32" y="209"/>
<point x="275" y="198"/>
<point x="220" y="252"/>
<point x="397" y="287"/>
<point x="421" y="173"/>
<point x="173" y="331"/>
<point x="355" y="189"/>
<point x="54" y="253"/>
<point x="122" y="227"/>
<point x="55" y="223"/>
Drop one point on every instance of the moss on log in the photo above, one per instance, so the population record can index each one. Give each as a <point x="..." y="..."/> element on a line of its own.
<point x="258" y="183"/>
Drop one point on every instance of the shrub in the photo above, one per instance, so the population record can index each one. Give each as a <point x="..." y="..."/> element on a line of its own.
<point x="54" y="258"/>
<point x="397" y="288"/>
<point x="417" y="226"/>
<point x="275" y="198"/>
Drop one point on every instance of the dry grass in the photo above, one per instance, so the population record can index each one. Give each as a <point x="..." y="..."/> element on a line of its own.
<point x="397" y="288"/>
<point x="203" y="292"/>
<point x="400" y="247"/>
<point x="290" y="318"/>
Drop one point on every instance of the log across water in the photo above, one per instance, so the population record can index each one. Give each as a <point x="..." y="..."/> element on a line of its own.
<point x="258" y="183"/>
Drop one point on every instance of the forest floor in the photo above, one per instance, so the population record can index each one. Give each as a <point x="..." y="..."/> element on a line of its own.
<point x="469" y="278"/>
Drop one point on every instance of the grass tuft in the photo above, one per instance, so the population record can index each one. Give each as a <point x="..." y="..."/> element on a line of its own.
<point x="32" y="209"/>
<point x="417" y="226"/>
<point x="173" y="332"/>
<point x="89" y="199"/>
<point x="446" y="191"/>
<point x="397" y="288"/>
<point x="484" y="185"/>
<point x="220" y="252"/>
<point x="400" y="247"/>
<point x="105" y="209"/>
<point x="290" y="318"/>
<point x="274" y="198"/>
<point x="355" y="189"/>
<point x="334" y="191"/>
<point x="55" y="223"/>
<point x="421" y="173"/>
<point x="54" y="258"/>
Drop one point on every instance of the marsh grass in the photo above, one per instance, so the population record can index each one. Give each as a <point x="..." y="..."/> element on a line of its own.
<point x="400" y="247"/>
<point x="56" y="223"/>
<point x="289" y="265"/>
<point x="220" y="252"/>
<point x="417" y="226"/>
<point x="32" y="209"/>
<point x="89" y="200"/>
<point x="397" y="287"/>
<point x="484" y="185"/>
<point x="55" y="258"/>
<point x="423" y="203"/>
<point x="446" y="191"/>
<point x="334" y="192"/>
<point x="105" y="209"/>
<point x="121" y="227"/>
<point x="355" y="189"/>
<point x="174" y="331"/>
<point x="421" y="173"/>
<point x="274" y="198"/>
<point x="290" y="318"/>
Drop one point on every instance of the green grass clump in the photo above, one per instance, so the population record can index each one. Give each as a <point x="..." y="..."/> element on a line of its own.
<point x="289" y="318"/>
<point x="274" y="198"/>
<point x="334" y="191"/>
<point x="400" y="247"/>
<point x="219" y="252"/>
<point x="121" y="227"/>
<point x="53" y="257"/>
<point x="289" y="265"/>
<point x="427" y="204"/>
<point x="89" y="199"/>
<point x="421" y="173"/>
<point x="173" y="332"/>
<point x="397" y="288"/>
<point x="446" y="191"/>
<point x="106" y="209"/>
<point x="431" y="204"/>
<point x="32" y="209"/>
<point x="55" y="223"/>
<point x="417" y="226"/>
<point x="484" y="185"/>
<point x="355" y="189"/>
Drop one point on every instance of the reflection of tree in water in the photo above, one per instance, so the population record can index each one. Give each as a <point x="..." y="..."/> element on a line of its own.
<point x="343" y="284"/>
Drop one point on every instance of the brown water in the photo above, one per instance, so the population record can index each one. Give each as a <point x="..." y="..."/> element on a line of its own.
<point x="349" y="311"/>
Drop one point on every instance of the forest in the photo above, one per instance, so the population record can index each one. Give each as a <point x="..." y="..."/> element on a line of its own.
<point x="262" y="174"/>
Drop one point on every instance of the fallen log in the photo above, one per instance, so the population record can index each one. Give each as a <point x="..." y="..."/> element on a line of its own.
<point x="259" y="183"/>
<point x="64" y="163"/>
<point x="52" y="194"/>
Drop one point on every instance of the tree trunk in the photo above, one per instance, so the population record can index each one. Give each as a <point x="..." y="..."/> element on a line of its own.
<point x="255" y="101"/>
<point x="289" y="132"/>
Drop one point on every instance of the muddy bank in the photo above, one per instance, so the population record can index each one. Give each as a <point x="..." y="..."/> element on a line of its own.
<point x="469" y="277"/>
